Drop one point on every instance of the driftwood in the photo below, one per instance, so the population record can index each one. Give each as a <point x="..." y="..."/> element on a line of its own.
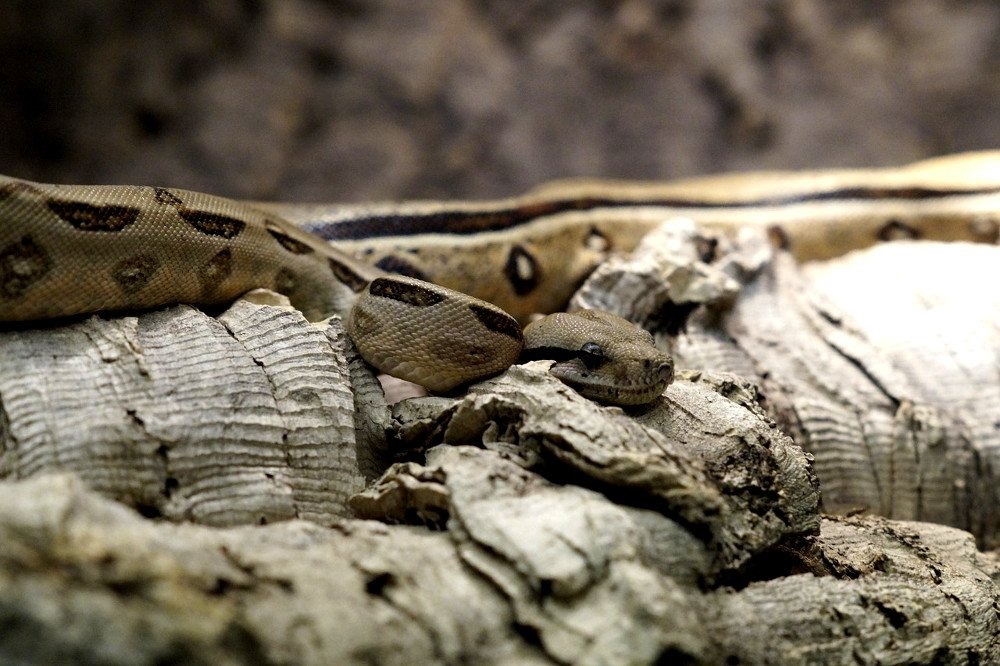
<point x="248" y="418"/>
<point x="885" y="365"/>
<point x="519" y="523"/>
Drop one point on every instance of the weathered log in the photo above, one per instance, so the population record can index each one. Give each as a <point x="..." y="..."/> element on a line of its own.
<point x="742" y="486"/>
<point x="248" y="418"/>
<point x="519" y="523"/>
<point x="529" y="571"/>
<point x="883" y="364"/>
<point x="896" y="593"/>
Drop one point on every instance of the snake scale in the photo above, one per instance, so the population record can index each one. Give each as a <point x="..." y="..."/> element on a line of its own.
<point x="436" y="292"/>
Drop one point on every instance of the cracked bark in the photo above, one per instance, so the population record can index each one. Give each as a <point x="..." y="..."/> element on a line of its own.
<point x="518" y="523"/>
<point x="220" y="421"/>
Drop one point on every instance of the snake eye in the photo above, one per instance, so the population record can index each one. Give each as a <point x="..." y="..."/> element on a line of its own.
<point x="591" y="354"/>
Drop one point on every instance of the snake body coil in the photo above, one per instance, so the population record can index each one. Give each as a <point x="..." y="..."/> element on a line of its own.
<point x="75" y="249"/>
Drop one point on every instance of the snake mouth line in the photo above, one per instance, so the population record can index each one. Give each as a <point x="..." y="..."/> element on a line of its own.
<point x="614" y="394"/>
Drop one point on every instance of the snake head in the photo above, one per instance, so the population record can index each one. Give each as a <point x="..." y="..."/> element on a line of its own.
<point x="600" y="355"/>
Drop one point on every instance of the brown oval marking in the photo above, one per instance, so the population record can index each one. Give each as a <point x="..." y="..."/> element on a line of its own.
<point x="22" y="264"/>
<point x="215" y="271"/>
<point x="212" y="224"/>
<point x="779" y="237"/>
<point x="134" y="273"/>
<point x="404" y="292"/>
<point x="88" y="217"/>
<point x="497" y="321"/>
<point x="390" y="263"/>
<point x="521" y="270"/>
<point x="985" y="229"/>
<point x="291" y="244"/>
<point x="596" y="241"/>
<point x="347" y="276"/>
<point x="897" y="230"/>
<point x="166" y="197"/>
<point x="8" y="190"/>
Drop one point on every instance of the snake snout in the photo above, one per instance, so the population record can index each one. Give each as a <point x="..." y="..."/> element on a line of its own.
<point x="601" y="355"/>
<point x="664" y="369"/>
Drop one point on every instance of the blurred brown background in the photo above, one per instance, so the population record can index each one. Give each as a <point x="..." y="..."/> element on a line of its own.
<point x="374" y="99"/>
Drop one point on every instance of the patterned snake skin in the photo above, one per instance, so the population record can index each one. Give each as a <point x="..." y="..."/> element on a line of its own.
<point x="434" y="291"/>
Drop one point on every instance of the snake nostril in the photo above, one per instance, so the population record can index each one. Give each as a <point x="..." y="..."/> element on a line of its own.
<point x="666" y="371"/>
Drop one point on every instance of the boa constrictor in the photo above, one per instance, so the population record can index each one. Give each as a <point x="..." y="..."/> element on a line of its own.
<point x="434" y="291"/>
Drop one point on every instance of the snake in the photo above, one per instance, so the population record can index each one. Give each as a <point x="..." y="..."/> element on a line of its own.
<point x="437" y="292"/>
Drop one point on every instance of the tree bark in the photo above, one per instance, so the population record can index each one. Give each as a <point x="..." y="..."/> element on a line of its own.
<point x="183" y="487"/>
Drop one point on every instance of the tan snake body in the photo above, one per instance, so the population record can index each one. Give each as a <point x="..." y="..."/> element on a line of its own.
<point x="75" y="249"/>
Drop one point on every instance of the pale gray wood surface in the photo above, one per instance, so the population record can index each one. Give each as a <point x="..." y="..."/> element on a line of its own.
<point x="518" y="523"/>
